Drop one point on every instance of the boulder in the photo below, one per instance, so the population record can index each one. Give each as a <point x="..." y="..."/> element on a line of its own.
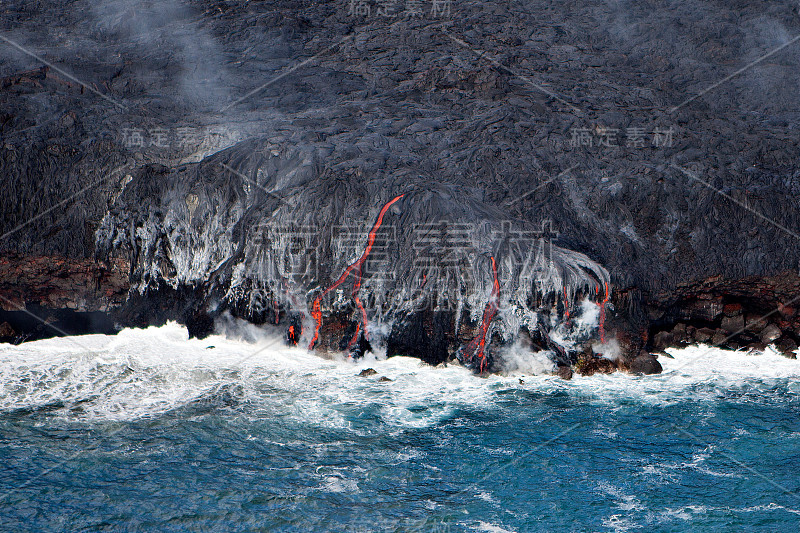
<point x="703" y="334"/>
<point x="564" y="372"/>
<point x="6" y="330"/>
<point x="646" y="364"/>
<point x="588" y="365"/>
<point x="679" y="334"/>
<point x="367" y="372"/>
<point x="770" y="334"/>
<point x="663" y="339"/>
<point x="787" y="346"/>
<point x="754" y="323"/>
<point x="756" y="347"/>
<point x="719" y="337"/>
<point x="733" y="324"/>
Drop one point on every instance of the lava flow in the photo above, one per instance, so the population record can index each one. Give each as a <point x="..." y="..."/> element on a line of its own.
<point x="603" y="314"/>
<point x="476" y="348"/>
<point x="355" y="268"/>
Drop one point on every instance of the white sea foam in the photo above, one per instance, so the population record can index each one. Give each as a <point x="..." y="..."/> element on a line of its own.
<point x="695" y="373"/>
<point x="688" y="512"/>
<point x="148" y="372"/>
<point x="491" y="528"/>
<point x="141" y="373"/>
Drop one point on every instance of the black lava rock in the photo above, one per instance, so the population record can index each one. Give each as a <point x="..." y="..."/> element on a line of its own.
<point x="646" y="364"/>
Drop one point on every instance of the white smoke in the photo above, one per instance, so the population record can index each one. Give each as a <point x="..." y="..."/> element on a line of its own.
<point x="570" y="335"/>
<point x="243" y="331"/>
<point x="518" y="358"/>
<point x="168" y="25"/>
<point x="609" y="350"/>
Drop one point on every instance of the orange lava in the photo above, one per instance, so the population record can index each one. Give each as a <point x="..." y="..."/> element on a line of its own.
<point x="476" y="348"/>
<point x="316" y="313"/>
<point x="603" y="315"/>
<point x="355" y="268"/>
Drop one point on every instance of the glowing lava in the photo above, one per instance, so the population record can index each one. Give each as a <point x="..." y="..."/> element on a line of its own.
<point x="316" y="313"/>
<point x="476" y="349"/>
<point x="603" y="315"/>
<point x="355" y="269"/>
<point x="292" y="335"/>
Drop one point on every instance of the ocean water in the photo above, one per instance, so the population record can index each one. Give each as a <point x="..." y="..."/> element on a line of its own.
<point x="150" y="431"/>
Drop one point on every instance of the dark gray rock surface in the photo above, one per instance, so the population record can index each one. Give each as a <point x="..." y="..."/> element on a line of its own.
<point x="645" y="364"/>
<point x="493" y="105"/>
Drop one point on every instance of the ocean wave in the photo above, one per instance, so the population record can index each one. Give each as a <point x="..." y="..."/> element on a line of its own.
<point x="151" y="372"/>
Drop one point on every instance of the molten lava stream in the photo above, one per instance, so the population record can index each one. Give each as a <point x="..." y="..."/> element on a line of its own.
<point x="603" y="314"/>
<point x="356" y="268"/>
<point x="476" y="348"/>
<point x="316" y="313"/>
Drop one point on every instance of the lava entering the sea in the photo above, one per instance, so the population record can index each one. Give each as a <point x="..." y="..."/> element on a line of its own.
<point x="603" y="314"/>
<point x="355" y="268"/>
<point x="475" y="351"/>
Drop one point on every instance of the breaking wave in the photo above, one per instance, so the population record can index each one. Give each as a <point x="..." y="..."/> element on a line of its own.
<point x="155" y="371"/>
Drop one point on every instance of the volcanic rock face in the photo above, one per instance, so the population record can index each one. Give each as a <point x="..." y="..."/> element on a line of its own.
<point x="68" y="295"/>
<point x="58" y="282"/>
<point x="748" y="313"/>
<point x="267" y="238"/>
<point x="203" y="143"/>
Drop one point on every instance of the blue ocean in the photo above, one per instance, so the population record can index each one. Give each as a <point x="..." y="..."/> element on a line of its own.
<point x="150" y="431"/>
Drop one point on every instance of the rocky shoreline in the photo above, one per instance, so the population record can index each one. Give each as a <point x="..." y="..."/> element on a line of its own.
<point x="82" y="297"/>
